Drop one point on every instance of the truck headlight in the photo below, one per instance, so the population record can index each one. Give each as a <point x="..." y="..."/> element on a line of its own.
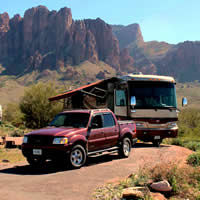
<point x="59" y="140"/>
<point x="25" y="140"/>
<point x="172" y="124"/>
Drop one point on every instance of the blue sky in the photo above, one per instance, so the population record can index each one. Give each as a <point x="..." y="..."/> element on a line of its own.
<point x="172" y="21"/>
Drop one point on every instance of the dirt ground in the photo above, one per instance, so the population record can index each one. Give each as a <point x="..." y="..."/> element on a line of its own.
<point x="22" y="182"/>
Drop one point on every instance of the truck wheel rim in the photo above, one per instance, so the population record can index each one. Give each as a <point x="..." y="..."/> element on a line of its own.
<point x="126" y="147"/>
<point x="77" y="157"/>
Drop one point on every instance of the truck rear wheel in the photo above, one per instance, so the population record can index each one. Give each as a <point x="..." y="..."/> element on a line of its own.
<point x="77" y="156"/>
<point x="125" y="148"/>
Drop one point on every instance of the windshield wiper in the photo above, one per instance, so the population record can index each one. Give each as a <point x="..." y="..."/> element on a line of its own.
<point x="169" y="107"/>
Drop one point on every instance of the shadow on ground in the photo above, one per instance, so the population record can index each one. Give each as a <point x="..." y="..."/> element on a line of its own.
<point x="148" y="145"/>
<point x="51" y="167"/>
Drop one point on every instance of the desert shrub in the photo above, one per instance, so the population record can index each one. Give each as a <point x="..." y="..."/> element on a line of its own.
<point x="189" y="123"/>
<point x="35" y="106"/>
<point x="167" y="172"/>
<point x="13" y="115"/>
<point x="110" y="192"/>
<point x="194" y="146"/>
<point x="177" y="141"/>
<point x="184" y="180"/>
<point x="194" y="159"/>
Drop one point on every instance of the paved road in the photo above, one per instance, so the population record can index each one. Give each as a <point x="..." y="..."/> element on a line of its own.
<point x="22" y="182"/>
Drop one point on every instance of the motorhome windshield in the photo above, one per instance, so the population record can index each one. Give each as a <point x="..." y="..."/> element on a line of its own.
<point x="153" y="94"/>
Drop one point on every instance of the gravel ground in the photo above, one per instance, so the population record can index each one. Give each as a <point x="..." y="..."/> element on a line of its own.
<point x="22" y="182"/>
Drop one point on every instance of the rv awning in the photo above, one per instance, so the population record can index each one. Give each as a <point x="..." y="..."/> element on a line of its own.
<point x="72" y="92"/>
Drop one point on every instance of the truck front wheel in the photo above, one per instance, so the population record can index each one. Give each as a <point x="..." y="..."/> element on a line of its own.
<point x="125" y="148"/>
<point x="77" y="156"/>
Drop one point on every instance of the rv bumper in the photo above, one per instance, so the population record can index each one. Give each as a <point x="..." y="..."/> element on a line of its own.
<point x="153" y="134"/>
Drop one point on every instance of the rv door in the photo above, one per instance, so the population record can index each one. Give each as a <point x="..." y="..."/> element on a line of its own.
<point x="120" y="108"/>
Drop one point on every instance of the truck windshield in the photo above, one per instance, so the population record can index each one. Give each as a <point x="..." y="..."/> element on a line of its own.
<point x="75" y="120"/>
<point x="153" y="94"/>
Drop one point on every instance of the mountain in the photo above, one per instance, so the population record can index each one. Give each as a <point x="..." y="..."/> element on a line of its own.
<point x="130" y="37"/>
<point x="50" y="40"/>
<point x="50" y="44"/>
<point x="183" y="62"/>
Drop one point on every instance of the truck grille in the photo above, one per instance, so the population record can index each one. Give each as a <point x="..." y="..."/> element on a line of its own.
<point x="40" y="140"/>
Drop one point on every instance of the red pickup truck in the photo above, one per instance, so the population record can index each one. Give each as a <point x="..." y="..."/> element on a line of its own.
<point x="74" y="135"/>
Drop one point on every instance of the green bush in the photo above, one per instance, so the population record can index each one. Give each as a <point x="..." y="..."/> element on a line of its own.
<point x="189" y="123"/>
<point x="35" y="106"/>
<point x="194" y="159"/>
<point x="194" y="146"/>
<point x="177" y="141"/>
<point x="12" y="114"/>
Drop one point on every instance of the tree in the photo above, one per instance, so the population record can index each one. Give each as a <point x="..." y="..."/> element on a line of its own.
<point x="35" y="106"/>
<point x="13" y="114"/>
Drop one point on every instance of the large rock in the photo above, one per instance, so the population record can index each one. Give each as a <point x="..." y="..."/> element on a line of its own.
<point x="157" y="196"/>
<point x="135" y="192"/>
<point x="161" y="186"/>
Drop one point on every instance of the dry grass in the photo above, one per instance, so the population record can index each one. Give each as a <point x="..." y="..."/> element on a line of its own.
<point x="12" y="88"/>
<point x="10" y="155"/>
<point x="184" y="179"/>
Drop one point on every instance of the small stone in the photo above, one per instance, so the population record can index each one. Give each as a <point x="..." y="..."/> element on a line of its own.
<point x="161" y="186"/>
<point x="5" y="161"/>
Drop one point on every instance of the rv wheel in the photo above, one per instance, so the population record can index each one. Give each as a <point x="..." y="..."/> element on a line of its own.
<point x="156" y="143"/>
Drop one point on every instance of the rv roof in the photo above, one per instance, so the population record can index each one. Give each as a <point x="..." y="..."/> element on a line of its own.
<point x="141" y="77"/>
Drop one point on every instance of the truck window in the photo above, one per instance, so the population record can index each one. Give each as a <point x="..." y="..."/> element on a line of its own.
<point x="120" y="98"/>
<point x="96" y="122"/>
<point x="76" y="120"/>
<point x="108" y="120"/>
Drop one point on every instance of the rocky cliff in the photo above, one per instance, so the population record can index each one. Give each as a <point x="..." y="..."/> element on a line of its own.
<point x="130" y="37"/>
<point x="182" y="62"/>
<point x="45" y="39"/>
<point x="51" y="40"/>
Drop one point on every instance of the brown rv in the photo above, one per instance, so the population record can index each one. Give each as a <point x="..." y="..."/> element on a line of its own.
<point x="149" y="100"/>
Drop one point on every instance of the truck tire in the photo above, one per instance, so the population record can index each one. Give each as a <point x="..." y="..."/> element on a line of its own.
<point x="125" y="148"/>
<point x="35" y="161"/>
<point x="77" y="157"/>
<point x="156" y="143"/>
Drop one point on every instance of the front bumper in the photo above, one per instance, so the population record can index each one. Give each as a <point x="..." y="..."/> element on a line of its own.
<point x="47" y="152"/>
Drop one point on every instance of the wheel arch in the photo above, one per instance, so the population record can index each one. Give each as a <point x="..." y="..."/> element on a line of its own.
<point x="128" y="135"/>
<point x="80" y="142"/>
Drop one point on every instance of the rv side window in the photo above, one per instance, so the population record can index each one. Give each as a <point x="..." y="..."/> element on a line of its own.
<point x="120" y="98"/>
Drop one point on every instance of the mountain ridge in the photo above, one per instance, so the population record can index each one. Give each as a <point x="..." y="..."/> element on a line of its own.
<point x="45" y="40"/>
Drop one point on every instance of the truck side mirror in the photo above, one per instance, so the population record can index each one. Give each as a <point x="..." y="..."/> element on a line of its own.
<point x="184" y="101"/>
<point x="133" y="101"/>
